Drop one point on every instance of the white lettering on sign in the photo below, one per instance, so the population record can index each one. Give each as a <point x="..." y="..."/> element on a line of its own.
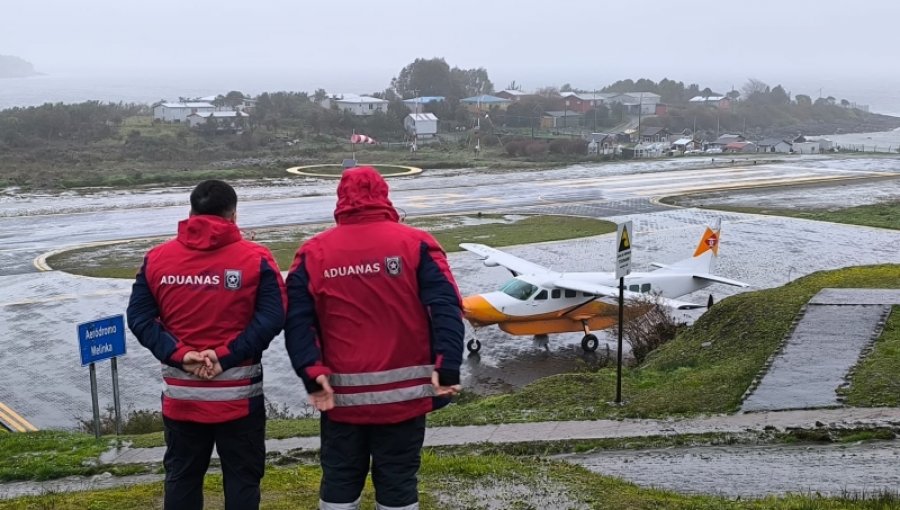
<point x="97" y="350"/>
<point x="98" y="332"/>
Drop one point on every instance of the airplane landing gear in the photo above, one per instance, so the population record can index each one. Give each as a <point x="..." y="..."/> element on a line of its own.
<point x="590" y="343"/>
<point x="473" y="345"/>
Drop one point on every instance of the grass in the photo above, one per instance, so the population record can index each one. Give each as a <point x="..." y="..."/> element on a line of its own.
<point x="459" y="482"/>
<point x="124" y="259"/>
<point x="883" y="215"/>
<point x="51" y="454"/>
<point x="876" y="380"/>
<point x="683" y="377"/>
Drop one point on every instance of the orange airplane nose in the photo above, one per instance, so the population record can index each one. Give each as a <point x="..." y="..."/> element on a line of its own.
<point x="477" y="310"/>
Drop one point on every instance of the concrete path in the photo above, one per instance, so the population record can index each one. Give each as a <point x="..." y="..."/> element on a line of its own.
<point x="835" y="330"/>
<point x="598" y="429"/>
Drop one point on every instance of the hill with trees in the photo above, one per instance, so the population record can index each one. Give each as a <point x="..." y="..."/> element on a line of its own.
<point x="15" y="67"/>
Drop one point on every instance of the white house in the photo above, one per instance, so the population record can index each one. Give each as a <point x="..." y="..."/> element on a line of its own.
<point x="774" y="145"/>
<point x="223" y="119"/>
<point x="807" y="147"/>
<point x="422" y="125"/>
<point x="178" y="112"/>
<point x="645" y="102"/>
<point x="356" y="105"/>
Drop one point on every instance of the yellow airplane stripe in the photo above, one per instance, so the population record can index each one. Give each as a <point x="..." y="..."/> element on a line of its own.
<point x="15" y="420"/>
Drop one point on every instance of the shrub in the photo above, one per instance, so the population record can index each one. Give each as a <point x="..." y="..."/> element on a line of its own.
<point x="536" y="148"/>
<point x="648" y="326"/>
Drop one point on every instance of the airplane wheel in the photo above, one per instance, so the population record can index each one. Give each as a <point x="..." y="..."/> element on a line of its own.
<point x="473" y="346"/>
<point x="590" y="343"/>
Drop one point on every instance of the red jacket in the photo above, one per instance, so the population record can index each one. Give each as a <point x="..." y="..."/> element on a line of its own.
<point x="208" y="289"/>
<point x="372" y="304"/>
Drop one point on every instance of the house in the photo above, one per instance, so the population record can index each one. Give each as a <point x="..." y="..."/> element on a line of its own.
<point x="635" y="103"/>
<point x="720" y="102"/>
<point x="724" y="140"/>
<point x="484" y="102"/>
<point x="233" y="120"/>
<point x="774" y="145"/>
<point x="825" y="145"/>
<point x="685" y="144"/>
<point x="421" y="125"/>
<point x="512" y="95"/>
<point x="583" y="102"/>
<point x="561" y="119"/>
<point x="654" y="134"/>
<point x="602" y="143"/>
<point x="356" y="105"/>
<point x="179" y="112"/>
<point x="740" y="147"/>
<point x="417" y="104"/>
<point x="806" y="147"/>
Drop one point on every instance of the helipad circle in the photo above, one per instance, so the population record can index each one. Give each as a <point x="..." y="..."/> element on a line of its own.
<point x="310" y="170"/>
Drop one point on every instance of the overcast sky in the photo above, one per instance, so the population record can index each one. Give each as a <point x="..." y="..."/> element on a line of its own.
<point x="359" y="45"/>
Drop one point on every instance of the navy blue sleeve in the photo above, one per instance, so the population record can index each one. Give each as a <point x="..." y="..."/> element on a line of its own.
<point x="143" y="320"/>
<point x="266" y="323"/>
<point x="301" y="329"/>
<point x="439" y="295"/>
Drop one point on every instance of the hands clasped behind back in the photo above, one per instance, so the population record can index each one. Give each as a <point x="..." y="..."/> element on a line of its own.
<point x="203" y="364"/>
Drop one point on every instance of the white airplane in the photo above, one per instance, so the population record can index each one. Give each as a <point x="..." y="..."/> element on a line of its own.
<point x="539" y="301"/>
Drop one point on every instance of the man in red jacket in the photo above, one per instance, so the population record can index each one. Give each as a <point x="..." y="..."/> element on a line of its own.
<point x="207" y="304"/>
<point x="374" y="329"/>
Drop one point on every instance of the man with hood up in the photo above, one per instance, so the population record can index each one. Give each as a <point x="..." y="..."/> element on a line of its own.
<point x="374" y="330"/>
<point x="207" y="304"/>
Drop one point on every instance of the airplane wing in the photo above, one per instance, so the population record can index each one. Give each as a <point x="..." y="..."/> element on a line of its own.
<point x="613" y="292"/>
<point x="493" y="257"/>
<point x="719" y="279"/>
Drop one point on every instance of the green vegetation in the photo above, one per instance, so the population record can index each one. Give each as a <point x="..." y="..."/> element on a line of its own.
<point x="47" y="455"/>
<point x="876" y="380"/>
<point x="483" y="481"/>
<point x="122" y="260"/>
<point x="683" y="377"/>
<point x="883" y="215"/>
<point x="275" y="429"/>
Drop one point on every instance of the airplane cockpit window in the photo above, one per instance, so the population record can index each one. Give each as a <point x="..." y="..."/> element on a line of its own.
<point x="645" y="288"/>
<point x="634" y="288"/>
<point x="555" y="293"/>
<point x="541" y="295"/>
<point x="518" y="289"/>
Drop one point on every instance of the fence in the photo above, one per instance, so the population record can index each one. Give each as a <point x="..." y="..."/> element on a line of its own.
<point x="866" y="148"/>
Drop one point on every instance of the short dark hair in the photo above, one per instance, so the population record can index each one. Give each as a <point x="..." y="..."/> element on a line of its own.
<point x="213" y="197"/>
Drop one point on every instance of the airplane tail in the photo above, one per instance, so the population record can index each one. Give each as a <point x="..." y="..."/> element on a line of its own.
<point x="703" y="263"/>
<point x="704" y="259"/>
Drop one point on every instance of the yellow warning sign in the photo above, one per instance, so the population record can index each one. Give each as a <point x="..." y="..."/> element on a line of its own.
<point x="624" y="242"/>
<point x="623" y="253"/>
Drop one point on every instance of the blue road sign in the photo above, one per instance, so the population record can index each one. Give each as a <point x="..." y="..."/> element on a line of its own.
<point x="101" y="339"/>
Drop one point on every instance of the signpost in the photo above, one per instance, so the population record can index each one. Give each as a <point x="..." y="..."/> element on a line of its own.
<point x="623" y="268"/>
<point x="99" y="340"/>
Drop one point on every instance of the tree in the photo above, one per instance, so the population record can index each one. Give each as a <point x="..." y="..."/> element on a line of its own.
<point x="423" y="77"/>
<point x="733" y="94"/>
<point x="567" y="87"/>
<point x="320" y="95"/>
<point x="513" y="86"/>
<point x="803" y="100"/>
<point x="754" y="88"/>
<point x="234" y="98"/>
<point x="470" y="82"/>
<point x="778" y="96"/>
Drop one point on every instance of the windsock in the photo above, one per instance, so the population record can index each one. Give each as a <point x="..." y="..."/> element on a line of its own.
<point x="361" y="139"/>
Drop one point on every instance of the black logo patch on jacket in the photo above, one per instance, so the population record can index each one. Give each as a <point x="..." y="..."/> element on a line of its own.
<point x="232" y="279"/>
<point x="393" y="265"/>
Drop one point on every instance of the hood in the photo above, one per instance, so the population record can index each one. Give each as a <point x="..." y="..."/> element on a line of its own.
<point x="363" y="196"/>
<point x="205" y="232"/>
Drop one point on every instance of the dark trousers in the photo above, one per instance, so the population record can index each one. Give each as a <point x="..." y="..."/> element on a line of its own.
<point x="394" y="452"/>
<point x="241" y="445"/>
